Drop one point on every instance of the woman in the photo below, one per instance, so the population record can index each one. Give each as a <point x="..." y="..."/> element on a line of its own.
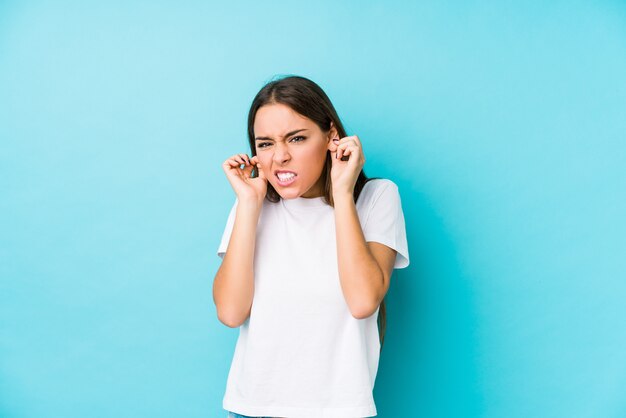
<point x="308" y="252"/>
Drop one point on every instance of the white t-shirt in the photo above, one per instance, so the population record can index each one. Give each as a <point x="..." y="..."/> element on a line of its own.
<point x="301" y="353"/>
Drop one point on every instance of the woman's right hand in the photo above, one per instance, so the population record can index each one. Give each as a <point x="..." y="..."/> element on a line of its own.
<point x="246" y="187"/>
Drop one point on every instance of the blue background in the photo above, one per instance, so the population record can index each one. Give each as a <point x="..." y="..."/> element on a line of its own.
<point x="503" y="124"/>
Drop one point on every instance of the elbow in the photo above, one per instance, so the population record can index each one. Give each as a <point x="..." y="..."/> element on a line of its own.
<point x="364" y="311"/>
<point x="229" y="321"/>
<point x="363" y="314"/>
<point x="232" y="319"/>
<point x="367" y="305"/>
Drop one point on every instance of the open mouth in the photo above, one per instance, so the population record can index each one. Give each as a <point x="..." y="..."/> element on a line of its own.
<point x="285" y="178"/>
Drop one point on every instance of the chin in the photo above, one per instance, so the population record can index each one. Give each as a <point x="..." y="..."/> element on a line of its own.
<point x="288" y="194"/>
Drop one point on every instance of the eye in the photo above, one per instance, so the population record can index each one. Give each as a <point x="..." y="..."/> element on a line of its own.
<point x="263" y="144"/>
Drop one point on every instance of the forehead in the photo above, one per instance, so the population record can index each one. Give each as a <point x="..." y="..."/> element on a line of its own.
<point x="276" y="120"/>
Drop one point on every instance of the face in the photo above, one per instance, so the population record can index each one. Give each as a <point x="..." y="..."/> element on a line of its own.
<point x="291" y="143"/>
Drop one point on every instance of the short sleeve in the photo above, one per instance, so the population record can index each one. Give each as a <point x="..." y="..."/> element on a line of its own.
<point x="385" y="222"/>
<point x="230" y="222"/>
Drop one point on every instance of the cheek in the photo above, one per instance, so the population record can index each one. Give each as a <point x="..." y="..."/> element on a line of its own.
<point x="315" y="154"/>
<point x="265" y="160"/>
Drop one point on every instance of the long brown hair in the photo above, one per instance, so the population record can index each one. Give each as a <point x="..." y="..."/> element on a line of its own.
<point x="309" y="100"/>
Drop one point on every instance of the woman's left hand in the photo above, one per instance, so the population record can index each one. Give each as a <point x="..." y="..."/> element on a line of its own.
<point x="344" y="173"/>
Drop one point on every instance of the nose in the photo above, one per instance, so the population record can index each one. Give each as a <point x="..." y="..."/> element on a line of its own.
<point x="281" y="155"/>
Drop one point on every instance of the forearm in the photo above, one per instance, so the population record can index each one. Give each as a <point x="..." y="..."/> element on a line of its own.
<point x="233" y="287"/>
<point x="360" y="276"/>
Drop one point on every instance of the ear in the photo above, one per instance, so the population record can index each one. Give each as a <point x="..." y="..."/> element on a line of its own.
<point x="333" y="131"/>
<point x="332" y="134"/>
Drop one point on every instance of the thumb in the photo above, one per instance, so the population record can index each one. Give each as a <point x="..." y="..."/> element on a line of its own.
<point x="332" y="147"/>
<point x="259" y="168"/>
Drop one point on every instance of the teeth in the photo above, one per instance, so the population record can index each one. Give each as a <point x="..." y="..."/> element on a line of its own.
<point x="285" y="177"/>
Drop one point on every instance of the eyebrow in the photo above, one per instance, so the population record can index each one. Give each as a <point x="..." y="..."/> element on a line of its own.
<point x="264" y="138"/>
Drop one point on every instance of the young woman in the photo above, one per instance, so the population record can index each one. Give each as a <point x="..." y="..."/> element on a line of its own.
<point x="307" y="254"/>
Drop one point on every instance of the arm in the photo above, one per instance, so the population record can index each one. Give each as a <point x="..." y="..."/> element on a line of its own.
<point x="364" y="268"/>
<point x="233" y="286"/>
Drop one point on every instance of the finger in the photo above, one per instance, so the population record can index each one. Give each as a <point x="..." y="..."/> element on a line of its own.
<point x="348" y="145"/>
<point x="248" y="170"/>
<point x="348" y="151"/>
<point x="245" y="158"/>
<point x="355" y="149"/>
<point x="231" y="163"/>
<point x="259" y="168"/>
<point x="230" y="160"/>
<point x="235" y="159"/>
<point x="341" y="150"/>
<point x="233" y="167"/>
<point x="240" y="159"/>
<point x="253" y="161"/>
<point x="261" y="173"/>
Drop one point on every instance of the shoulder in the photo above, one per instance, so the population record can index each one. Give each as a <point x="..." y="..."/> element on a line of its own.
<point x="378" y="183"/>
<point x="375" y="188"/>
<point x="378" y="186"/>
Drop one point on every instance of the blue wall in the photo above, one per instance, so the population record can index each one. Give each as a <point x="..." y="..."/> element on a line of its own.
<point x="503" y="124"/>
